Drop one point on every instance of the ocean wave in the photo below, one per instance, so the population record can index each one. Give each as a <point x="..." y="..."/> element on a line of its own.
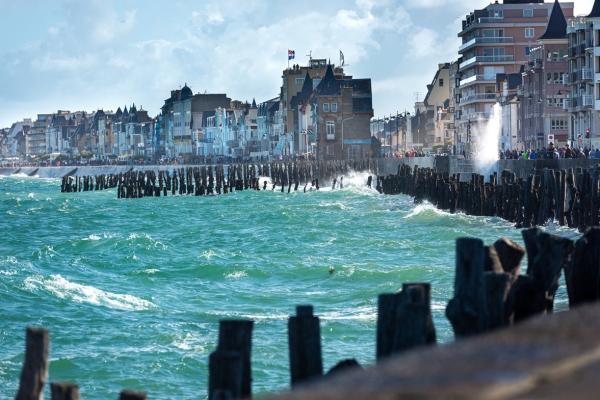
<point x="189" y="342"/>
<point x="65" y="289"/>
<point x="236" y="275"/>
<point x="426" y="209"/>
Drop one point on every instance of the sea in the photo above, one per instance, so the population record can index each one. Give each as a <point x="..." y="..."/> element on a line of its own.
<point x="132" y="291"/>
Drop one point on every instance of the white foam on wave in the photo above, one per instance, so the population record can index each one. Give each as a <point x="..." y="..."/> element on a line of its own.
<point x="95" y="237"/>
<point x="236" y="275"/>
<point x="189" y="342"/>
<point x="65" y="289"/>
<point x="425" y="208"/>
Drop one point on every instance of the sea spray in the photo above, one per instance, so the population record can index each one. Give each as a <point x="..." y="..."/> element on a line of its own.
<point x="488" y="148"/>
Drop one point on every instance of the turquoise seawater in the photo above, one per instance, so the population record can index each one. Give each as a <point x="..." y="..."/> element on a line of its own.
<point x="132" y="290"/>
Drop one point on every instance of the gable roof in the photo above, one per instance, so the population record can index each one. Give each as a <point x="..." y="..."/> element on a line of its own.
<point x="557" y="25"/>
<point x="595" y="10"/>
<point x="329" y="86"/>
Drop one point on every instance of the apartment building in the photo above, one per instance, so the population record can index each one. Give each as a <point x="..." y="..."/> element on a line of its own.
<point x="544" y="118"/>
<point x="35" y="142"/>
<point x="584" y="78"/>
<point x="495" y="40"/>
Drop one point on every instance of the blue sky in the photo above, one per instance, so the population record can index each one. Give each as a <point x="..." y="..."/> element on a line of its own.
<point x="85" y="55"/>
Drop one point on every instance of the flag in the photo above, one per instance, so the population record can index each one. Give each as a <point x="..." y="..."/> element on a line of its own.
<point x="291" y="54"/>
<point x="342" y="61"/>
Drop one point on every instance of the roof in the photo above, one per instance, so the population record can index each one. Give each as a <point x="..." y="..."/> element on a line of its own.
<point x="186" y="92"/>
<point x="329" y="86"/>
<point x="595" y="10"/>
<point x="305" y="92"/>
<point x="557" y="25"/>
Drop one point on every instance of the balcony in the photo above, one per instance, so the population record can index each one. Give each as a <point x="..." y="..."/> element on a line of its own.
<point x="567" y="104"/>
<point x="470" y="79"/>
<point x="586" y="74"/>
<point x="506" y="58"/>
<point x="471" y="98"/>
<point x="484" y="40"/>
<point x="587" y="101"/>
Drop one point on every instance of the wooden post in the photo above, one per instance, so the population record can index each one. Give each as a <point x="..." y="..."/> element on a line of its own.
<point x="132" y="395"/>
<point x="304" y="341"/>
<point x="546" y="254"/>
<point x="35" y="365"/>
<point x="510" y="255"/>
<point x="236" y="336"/>
<point x="404" y="320"/>
<point x="467" y="311"/>
<point x="64" y="391"/>
<point x="497" y="286"/>
<point x="225" y="375"/>
<point x="582" y="274"/>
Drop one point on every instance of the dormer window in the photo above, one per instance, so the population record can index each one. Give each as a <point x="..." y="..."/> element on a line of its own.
<point x="528" y="13"/>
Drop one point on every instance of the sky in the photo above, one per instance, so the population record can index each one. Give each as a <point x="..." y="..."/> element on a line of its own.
<point x="102" y="54"/>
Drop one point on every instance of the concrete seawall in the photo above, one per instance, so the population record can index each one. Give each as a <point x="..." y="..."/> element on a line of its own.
<point x="387" y="166"/>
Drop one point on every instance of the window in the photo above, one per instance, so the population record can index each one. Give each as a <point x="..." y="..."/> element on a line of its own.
<point x="558" y="124"/>
<point x="493" y="51"/>
<point x="325" y="107"/>
<point x="299" y="81"/>
<point x="528" y="12"/>
<point x="529" y="32"/>
<point x="496" y="13"/>
<point x="330" y="130"/>
<point x="441" y="83"/>
<point x="527" y="50"/>
<point x="333" y="107"/>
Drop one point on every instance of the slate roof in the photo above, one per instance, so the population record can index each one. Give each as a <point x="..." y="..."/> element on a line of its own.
<point x="304" y="94"/>
<point x="329" y="86"/>
<point x="557" y="25"/>
<point x="595" y="10"/>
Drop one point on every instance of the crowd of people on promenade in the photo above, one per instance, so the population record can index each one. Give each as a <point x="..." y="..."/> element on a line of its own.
<point x="550" y="152"/>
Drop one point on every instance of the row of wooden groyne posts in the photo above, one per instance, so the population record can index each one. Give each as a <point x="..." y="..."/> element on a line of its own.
<point x="569" y="197"/>
<point x="489" y="293"/>
<point x="218" y="179"/>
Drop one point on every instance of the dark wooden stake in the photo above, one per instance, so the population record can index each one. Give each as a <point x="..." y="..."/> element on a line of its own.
<point x="35" y="366"/>
<point x="304" y="341"/>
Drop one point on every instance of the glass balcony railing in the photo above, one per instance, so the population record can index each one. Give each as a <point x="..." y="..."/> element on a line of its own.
<point x="485" y="40"/>
<point x="477" y="97"/>
<point x="586" y="74"/>
<point x="587" y="101"/>
<point x="487" y="59"/>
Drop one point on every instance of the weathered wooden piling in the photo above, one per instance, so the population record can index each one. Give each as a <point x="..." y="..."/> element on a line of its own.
<point x="64" y="391"/>
<point x="35" y="365"/>
<point x="132" y="395"/>
<point x="467" y="310"/>
<point x="304" y="342"/>
<point x="235" y="336"/>
<point x="404" y="320"/>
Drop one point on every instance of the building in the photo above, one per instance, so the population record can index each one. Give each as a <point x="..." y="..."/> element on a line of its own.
<point x="584" y="78"/>
<point x="14" y="144"/>
<point x="343" y="114"/>
<point x="495" y="40"/>
<point x="544" y="118"/>
<point x="35" y="142"/>
<point x="292" y="84"/>
<point x="182" y="120"/>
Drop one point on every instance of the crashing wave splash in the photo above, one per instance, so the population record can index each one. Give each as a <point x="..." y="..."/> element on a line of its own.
<point x="65" y="289"/>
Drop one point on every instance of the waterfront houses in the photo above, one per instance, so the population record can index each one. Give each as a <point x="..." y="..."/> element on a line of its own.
<point x="496" y="40"/>
<point x="544" y="117"/>
<point x="584" y="78"/>
<point x="182" y="117"/>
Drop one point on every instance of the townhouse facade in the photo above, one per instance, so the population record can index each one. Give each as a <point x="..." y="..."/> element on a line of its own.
<point x="495" y="40"/>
